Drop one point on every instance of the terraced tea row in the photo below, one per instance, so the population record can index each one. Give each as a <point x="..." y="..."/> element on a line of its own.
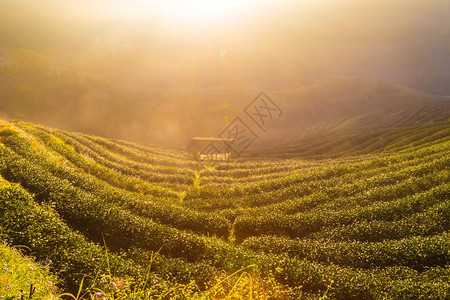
<point x="375" y="224"/>
<point x="337" y="144"/>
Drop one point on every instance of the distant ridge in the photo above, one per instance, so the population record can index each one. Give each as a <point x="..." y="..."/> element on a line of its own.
<point x="173" y="117"/>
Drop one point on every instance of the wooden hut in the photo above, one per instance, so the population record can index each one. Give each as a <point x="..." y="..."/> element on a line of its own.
<point x="210" y="148"/>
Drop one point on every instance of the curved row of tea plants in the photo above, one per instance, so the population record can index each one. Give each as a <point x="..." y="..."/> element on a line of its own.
<point x="376" y="226"/>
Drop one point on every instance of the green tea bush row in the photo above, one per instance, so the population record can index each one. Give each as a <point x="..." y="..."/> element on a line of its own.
<point x="431" y="221"/>
<point x="360" y="143"/>
<point x="298" y="185"/>
<point x="154" y="209"/>
<point x="37" y="227"/>
<point x="134" y="153"/>
<point x="236" y="172"/>
<point x="397" y="282"/>
<point x="349" y="284"/>
<point x="163" y="151"/>
<point x="337" y="194"/>
<point x="409" y="140"/>
<point x="415" y="252"/>
<point x="23" y="222"/>
<point x="173" y="181"/>
<point x="93" y="216"/>
<point x="302" y="224"/>
<point x="434" y="138"/>
<point x="374" y="187"/>
<point x="339" y="198"/>
<point x="389" y="138"/>
<point x="141" y="205"/>
<point x="110" y="176"/>
<point x="259" y="166"/>
<point x="116" y="160"/>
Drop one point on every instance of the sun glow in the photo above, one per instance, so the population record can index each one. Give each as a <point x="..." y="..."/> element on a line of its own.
<point x="202" y="8"/>
<point x="188" y="9"/>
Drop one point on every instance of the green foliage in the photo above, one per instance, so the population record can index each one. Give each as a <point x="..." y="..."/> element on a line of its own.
<point x="20" y="276"/>
<point x="416" y="252"/>
<point x="147" y="207"/>
<point x="42" y="231"/>
<point x="362" y="227"/>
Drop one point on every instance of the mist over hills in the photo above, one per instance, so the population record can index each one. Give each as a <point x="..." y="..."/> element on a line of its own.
<point x="172" y="117"/>
<point x="80" y="66"/>
<point x="277" y="46"/>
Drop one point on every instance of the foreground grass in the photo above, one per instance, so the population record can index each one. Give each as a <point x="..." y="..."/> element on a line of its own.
<point x="246" y="283"/>
<point x="21" y="277"/>
<point x="20" y="274"/>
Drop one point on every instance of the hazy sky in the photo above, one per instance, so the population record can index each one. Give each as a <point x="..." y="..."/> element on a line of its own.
<point x="162" y="71"/>
<point x="265" y="44"/>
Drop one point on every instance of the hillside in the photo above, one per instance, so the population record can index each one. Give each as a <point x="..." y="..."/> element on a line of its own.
<point x="372" y="222"/>
<point x="333" y="142"/>
<point x="34" y="90"/>
<point x="338" y="105"/>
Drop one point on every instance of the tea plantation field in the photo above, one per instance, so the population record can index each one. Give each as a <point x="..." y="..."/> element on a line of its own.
<point x="137" y="221"/>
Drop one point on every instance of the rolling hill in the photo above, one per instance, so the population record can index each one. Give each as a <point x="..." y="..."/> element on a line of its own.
<point x="368" y="221"/>
<point x="35" y="91"/>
